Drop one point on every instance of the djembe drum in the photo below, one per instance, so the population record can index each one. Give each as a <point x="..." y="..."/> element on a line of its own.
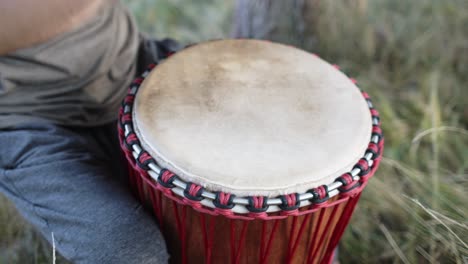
<point x="249" y="151"/>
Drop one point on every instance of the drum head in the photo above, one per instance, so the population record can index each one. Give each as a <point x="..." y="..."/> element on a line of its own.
<point x="252" y="117"/>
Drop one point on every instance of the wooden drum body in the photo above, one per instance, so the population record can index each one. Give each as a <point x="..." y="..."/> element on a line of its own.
<point x="249" y="151"/>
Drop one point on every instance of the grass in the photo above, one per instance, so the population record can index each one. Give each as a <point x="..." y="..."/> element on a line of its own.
<point x="412" y="58"/>
<point x="18" y="241"/>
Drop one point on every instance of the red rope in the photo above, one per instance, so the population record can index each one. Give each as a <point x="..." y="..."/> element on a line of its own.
<point x="241" y="240"/>
<point x="315" y="235"/>
<point x="211" y="240"/>
<point x="236" y="250"/>
<point x="184" y="237"/>
<point x="180" y="222"/>
<point x="207" y="237"/>
<point x="232" y="239"/>
<point x="264" y="257"/>
<point x="291" y="235"/>
<point x="298" y="238"/>
<point x="155" y="204"/>
<point x="262" y="240"/>
<point x="140" y="188"/>
<point x="309" y="237"/>
<point x="160" y="209"/>
<point x="320" y="244"/>
<point x="131" y="177"/>
<point x="346" y="217"/>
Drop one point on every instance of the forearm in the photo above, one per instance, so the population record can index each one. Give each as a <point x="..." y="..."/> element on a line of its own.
<point x="27" y="22"/>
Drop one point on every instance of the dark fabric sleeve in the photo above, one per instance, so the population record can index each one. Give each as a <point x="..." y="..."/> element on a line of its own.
<point x="153" y="50"/>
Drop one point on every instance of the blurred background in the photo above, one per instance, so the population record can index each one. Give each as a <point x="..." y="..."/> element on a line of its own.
<point x="410" y="56"/>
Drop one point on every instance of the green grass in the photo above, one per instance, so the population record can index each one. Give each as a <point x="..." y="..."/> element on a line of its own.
<point x="412" y="58"/>
<point x="18" y="241"/>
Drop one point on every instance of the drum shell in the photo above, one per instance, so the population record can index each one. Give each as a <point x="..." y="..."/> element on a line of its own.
<point x="196" y="234"/>
<point x="197" y="237"/>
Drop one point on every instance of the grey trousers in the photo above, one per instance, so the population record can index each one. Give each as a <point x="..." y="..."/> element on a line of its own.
<point x="70" y="182"/>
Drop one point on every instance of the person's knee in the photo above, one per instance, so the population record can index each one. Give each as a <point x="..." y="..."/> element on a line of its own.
<point x="132" y="238"/>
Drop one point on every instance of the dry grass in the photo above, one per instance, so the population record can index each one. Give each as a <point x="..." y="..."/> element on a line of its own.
<point x="412" y="57"/>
